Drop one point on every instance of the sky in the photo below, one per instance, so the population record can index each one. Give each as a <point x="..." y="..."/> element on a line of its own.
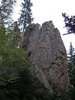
<point x="46" y="10"/>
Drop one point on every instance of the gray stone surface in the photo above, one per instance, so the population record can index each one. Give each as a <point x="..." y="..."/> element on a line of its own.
<point x="48" y="56"/>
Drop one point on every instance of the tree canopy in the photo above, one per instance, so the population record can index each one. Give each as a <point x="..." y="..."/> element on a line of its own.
<point x="69" y="23"/>
<point x="25" y="14"/>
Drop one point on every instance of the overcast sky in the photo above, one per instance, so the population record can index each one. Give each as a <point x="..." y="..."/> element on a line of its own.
<point x="45" y="10"/>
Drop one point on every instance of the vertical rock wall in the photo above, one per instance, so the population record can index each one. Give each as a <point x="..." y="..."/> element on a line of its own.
<point x="48" y="56"/>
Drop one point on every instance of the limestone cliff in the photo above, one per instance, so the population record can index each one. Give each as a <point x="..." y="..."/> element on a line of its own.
<point x="48" y="56"/>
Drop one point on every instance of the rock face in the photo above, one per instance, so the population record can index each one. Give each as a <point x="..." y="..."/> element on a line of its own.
<point x="48" y="56"/>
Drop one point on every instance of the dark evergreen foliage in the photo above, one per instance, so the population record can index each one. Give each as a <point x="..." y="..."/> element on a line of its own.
<point x="26" y="14"/>
<point x="71" y="72"/>
<point x="69" y="23"/>
<point x="15" y="35"/>
<point x="6" y="9"/>
<point x="70" y="60"/>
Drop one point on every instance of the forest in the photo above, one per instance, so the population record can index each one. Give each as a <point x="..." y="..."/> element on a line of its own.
<point x="16" y="80"/>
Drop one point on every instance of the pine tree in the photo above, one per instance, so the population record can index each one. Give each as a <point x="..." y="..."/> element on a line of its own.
<point x="6" y="9"/>
<point x="70" y="60"/>
<point x="15" y="35"/>
<point x="26" y="15"/>
<point x="71" y="52"/>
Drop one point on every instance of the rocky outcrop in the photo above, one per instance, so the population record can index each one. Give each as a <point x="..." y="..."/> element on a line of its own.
<point x="48" y="56"/>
